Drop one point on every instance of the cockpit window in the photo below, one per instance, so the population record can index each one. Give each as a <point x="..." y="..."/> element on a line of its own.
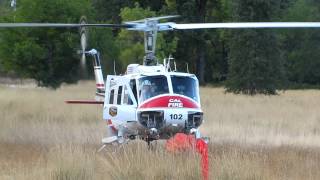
<point x="186" y="86"/>
<point x="151" y="86"/>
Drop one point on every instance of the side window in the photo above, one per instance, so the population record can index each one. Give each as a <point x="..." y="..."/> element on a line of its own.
<point x="111" y="96"/>
<point x="119" y="95"/>
<point x="126" y="97"/>
<point x="133" y="86"/>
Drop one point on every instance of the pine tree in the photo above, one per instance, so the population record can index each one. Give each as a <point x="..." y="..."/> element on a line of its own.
<point x="199" y="48"/>
<point x="255" y="63"/>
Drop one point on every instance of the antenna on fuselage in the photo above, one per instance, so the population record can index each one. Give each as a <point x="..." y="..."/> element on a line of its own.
<point x="168" y="64"/>
<point x="114" y="67"/>
<point x="187" y="67"/>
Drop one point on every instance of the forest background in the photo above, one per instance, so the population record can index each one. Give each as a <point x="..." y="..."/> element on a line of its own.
<point x="246" y="61"/>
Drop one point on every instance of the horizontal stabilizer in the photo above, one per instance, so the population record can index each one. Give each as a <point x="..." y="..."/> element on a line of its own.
<point x="84" y="102"/>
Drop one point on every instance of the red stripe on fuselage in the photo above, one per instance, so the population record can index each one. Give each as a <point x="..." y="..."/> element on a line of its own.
<point x="170" y="102"/>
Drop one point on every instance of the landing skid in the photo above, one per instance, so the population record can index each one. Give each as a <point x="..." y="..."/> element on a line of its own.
<point x="109" y="140"/>
<point x="119" y="142"/>
<point x="114" y="141"/>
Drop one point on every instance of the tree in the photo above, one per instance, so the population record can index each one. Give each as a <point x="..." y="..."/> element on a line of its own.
<point x="217" y="54"/>
<point x="255" y="63"/>
<point x="103" y="40"/>
<point x="153" y="5"/>
<point x="301" y="46"/>
<point x="109" y="10"/>
<point x="4" y="10"/>
<point x="46" y="55"/>
<point x="200" y="48"/>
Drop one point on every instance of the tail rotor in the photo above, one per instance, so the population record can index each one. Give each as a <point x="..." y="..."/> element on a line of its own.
<point x="83" y="45"/>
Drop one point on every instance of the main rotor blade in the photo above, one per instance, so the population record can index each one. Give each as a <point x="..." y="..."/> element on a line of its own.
<point x="246" y="25"/>
<point x="170" y="25"/>
<point x="58" y="25"/>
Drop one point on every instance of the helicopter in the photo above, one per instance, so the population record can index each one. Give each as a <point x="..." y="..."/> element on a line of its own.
<point x="151" y="101"/>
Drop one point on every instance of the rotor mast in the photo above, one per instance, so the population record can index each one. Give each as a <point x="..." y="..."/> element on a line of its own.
<point x="150" y="27"/>
<point x="150" y="39"/>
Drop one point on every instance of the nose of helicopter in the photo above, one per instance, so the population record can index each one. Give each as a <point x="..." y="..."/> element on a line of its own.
<point x="170" y="111"/>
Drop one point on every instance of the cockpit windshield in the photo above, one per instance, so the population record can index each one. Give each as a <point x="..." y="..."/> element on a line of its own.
<point x="186" y="86"/>
<point x="151" y="86"/>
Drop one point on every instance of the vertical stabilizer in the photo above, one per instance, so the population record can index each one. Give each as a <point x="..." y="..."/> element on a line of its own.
<point x="100" y="86"/>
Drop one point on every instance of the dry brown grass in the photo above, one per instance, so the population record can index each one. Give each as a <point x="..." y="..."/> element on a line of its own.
<point x="291" y="118"/>
<point x="261" y="137"/>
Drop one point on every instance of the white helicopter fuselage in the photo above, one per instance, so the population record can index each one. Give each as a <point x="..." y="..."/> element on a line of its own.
<point x="172" y="105"/>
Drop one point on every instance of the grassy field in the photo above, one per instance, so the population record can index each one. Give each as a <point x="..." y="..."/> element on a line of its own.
<point x="261" y="137"/>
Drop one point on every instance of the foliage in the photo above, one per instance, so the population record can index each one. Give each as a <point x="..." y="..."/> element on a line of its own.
<point x="247" y="61"/>
<point x="46" y="55"/>
<point x="301" y="47"/>
<point x="202" y="49"/>
<point x="109" y="10"/>
<point x="104" y="41"/>
<point x="255" y="64"/>
<point x="4" y="8"/>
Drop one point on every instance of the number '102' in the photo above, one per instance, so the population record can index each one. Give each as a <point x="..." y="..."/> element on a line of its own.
<point x="176" y="116"/>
